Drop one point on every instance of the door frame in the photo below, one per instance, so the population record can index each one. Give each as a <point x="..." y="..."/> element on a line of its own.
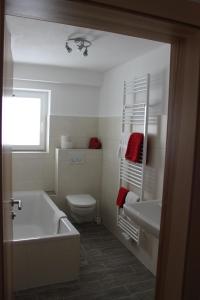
<point x="1" y="200"/>
<point x="181" y="180"/>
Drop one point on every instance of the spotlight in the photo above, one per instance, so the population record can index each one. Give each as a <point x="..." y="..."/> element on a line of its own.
<point x="81" y="44"/>
<point x="85" y="53"/>
<point x="68" y="48"/>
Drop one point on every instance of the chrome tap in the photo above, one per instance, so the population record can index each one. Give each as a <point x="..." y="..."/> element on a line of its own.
<point x="16" y="202"/>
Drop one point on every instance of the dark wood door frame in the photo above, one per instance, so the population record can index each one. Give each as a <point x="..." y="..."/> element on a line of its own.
<point x="192" y="266"/>
<point x="1" y="202"/>
<point x="180" y="219"/>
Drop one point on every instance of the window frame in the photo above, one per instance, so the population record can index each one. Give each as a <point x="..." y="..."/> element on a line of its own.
<point x="44" y="95"/>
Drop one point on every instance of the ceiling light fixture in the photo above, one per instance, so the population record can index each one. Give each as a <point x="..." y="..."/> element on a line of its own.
<point x="81" y="44"/>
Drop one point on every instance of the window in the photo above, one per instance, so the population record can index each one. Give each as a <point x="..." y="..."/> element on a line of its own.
<point x="26" y="120"/>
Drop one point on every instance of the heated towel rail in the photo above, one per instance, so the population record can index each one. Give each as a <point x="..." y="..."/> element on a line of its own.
<point x="134" y="119"/>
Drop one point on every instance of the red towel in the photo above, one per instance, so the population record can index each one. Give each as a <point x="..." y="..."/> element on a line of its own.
<point x="134" y="147"/>
<point x="121" y="196"/>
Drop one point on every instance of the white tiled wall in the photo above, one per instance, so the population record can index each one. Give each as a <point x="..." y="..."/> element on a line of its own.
<point x="109" y="131"/>
<point x="78" y="178"/>
<point x="33" y="171"/>
<point x="157" y="64"/>
<point x="80" y="128"/>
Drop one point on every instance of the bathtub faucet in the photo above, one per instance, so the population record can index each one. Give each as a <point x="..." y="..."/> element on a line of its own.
<point x="16" y="202"/>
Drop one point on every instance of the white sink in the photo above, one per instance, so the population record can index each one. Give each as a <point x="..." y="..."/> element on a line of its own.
<point x="147" y="214"/>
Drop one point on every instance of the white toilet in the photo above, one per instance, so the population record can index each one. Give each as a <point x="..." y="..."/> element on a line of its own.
<point x="82" y="207"/>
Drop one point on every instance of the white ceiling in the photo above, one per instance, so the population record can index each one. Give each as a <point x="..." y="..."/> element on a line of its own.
<point x="39" y="42"/>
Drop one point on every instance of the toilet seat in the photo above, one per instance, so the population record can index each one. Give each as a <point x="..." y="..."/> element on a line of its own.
<point x="82" y="207"/>
<point x="81" y="200"/>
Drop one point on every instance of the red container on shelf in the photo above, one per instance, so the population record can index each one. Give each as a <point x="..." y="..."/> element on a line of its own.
<point x="94" y="143"/>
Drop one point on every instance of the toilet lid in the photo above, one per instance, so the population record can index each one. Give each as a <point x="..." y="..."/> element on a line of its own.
<point x="81" y="200"/>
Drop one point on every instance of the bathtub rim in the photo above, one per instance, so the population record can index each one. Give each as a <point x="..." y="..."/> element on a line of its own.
<point x="71" y="233"/>
<point x="74" y="233"/>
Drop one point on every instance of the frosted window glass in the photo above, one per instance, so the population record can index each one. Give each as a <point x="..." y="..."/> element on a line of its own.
<point x="23" y="121"/>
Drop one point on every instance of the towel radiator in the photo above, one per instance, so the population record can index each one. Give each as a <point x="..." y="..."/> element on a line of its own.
<point x="134" y="119"/>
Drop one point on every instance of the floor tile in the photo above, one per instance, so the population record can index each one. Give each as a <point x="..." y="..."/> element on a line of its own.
<point x="108" y="271"/>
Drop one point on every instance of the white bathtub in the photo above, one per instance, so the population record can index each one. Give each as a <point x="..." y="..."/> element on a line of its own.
<point x="46" y="250"/>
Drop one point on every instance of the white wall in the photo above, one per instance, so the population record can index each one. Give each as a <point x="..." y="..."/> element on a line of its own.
<point x="157" y="64"/>
<point x="73" y="92"/>
<point x="54" y="74"/>
<point x="67" y="99"/>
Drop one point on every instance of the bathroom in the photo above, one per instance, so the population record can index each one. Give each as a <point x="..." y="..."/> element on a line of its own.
<point x="84" y="100"/>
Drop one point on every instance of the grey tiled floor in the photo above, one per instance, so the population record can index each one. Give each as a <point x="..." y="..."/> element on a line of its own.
<point x="108" y="271"/>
